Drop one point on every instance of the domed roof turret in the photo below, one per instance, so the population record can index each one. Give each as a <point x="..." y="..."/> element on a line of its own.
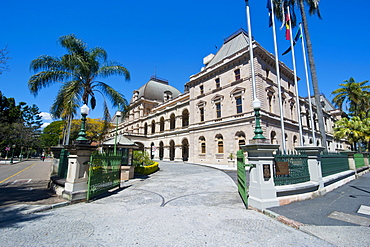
<point x="155" y="89"/>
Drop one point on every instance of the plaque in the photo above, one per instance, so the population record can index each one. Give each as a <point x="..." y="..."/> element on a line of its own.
<point x="282" y="168"/>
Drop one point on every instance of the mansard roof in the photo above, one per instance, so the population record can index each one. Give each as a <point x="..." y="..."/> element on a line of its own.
<point x="154" y="89"/>
<point x="233" y="44"/>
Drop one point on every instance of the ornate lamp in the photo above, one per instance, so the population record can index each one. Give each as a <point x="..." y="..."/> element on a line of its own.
<point x="257" y="130"/>
<point x="82" y="134"/>
<point x="118" y="115"/>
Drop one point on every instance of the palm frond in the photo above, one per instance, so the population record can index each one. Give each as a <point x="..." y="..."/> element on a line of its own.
<point x="46" y="78"/>
<point x="114" y="68"/>
<point x="114" y="97"/>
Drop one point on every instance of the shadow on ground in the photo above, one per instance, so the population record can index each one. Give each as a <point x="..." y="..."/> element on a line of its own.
<point x="32" y="193"/>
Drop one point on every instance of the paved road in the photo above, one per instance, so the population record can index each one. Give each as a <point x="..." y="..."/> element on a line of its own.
<point x="26" y="182"/>
<point x="340" y="216"/>
<point x="181" y="205"/>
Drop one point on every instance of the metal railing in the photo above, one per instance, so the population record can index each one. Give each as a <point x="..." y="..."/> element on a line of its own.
<point x="332" y="163"/>
<point x="290" y="168"/>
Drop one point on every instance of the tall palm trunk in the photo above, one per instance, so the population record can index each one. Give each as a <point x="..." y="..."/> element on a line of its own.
<point x="315" y="83"/>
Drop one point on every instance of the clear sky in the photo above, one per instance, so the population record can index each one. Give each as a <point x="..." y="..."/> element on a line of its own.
<point x="170" y="39"/>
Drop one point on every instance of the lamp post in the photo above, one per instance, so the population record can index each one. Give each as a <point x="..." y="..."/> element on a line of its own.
<point x="118" y="115"/>
<point x="257" y="130"/>
<point x="20" y="156"/>
<point x="11" y="160"/>
<point x="82" y="133"/>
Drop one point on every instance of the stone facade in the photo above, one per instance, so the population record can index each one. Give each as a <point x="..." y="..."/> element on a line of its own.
<point x="214" y="117"/>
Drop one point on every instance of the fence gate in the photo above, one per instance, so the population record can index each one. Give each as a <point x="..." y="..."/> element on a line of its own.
<point x="242" y="177"/>
<point x="104" y="173"/>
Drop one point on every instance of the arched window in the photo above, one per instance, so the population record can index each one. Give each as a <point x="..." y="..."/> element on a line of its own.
<point x="273" y="137"/>
<point x="220" y="143"/>
<point x="161" y="124"/>
<point x="153" y="127"/>
<point x="145" y="129"/>
<point x="240" y="136"/>
<point x="295" y="139"/>
<point x="161" y="150"/>
<point x="185" y="149"/>
<point x="172" y="150"/>
<point x="172" y="122"/>
<point x="202" y="142"/>
<point x="185" y="118"/>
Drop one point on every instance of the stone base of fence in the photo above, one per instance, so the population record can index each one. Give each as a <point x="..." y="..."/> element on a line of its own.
<point x="127" y="172"/>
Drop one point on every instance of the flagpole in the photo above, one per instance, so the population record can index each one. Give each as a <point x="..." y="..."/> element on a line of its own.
<point x="308" y="85"/>
<point x="295" y="80"/>
<point x="278" y="78"/>
<point x="251" y="56"/>
<point x="256" y="103"/>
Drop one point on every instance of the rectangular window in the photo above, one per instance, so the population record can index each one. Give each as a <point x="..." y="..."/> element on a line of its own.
<point x="239" y="106"/>
<point x="218" y="110"/>
<point x="201" y="114"/>
<point x="237" y="74"/>
<point x="217" y="80"/>
<point x="201" y="89"/>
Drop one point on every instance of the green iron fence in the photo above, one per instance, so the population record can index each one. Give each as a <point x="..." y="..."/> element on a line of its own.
<point x="359" y="160"/>
<point x="104" y="173"/>
<point x="290" y="168"/>
<point x="63" y="164"/>
<point x="242" y="178"/>
<point x="332" y="163"/>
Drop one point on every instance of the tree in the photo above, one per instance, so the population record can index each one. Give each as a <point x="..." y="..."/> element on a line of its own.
<point x="353" y="130"/>
<point x="3" y="59"/>
<point x="353" y="95"/>
<point x="313" y="10"/>
<point x="78" y="71"/>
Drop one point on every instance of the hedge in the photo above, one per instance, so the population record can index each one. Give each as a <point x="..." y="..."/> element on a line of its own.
<point x="146" y="170"/>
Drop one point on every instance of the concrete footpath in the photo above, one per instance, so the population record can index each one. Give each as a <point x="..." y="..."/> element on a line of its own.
<point x="181" y="205"/>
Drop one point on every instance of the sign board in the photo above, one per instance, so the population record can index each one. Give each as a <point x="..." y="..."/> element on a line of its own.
<point x="7" y="149"/>
<point x="282" y="168"/>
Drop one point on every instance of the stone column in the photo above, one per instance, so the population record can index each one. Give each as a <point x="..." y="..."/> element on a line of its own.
<point x="166" y="153"/>
<point x="77" y="176"/>
<point x="366" y="159"/>
<point x="178" y="153"/>
<point x="314" y="163"/>
<point x="262" y="192"/>
<point x="351" y="159"/>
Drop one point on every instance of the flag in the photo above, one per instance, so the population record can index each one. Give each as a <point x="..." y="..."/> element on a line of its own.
<point x="268" y="6"/>
<point x="298" y="35"/>
<point x="287" y="27"/>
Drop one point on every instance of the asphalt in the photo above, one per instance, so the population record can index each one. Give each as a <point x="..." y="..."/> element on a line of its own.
<point x="186" y="205"/>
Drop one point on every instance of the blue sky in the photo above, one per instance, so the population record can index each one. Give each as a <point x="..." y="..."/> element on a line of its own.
<point x="170" y="39"/>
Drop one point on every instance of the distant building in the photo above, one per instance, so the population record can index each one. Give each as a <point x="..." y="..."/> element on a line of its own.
<point x="214" y="116"/>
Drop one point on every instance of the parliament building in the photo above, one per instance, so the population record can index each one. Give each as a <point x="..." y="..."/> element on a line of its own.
<point x="214" y="116"/>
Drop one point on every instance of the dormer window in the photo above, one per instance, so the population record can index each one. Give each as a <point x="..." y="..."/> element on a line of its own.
<point x="167" y="95"/>
<point x="136" y="95"/>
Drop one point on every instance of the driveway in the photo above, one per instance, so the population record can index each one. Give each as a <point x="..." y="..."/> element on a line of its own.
<point x="180" y="205"/>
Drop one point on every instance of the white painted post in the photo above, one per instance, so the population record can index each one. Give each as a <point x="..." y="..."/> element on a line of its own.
<point x="262" y="192"/>
<point x="314" y="163"/>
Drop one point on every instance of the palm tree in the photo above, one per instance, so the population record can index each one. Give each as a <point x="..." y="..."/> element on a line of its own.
<point x="313" y="10"/>
<point x="78" y="71"/>
<point x="354" y="95"/>
<point x="353" y="130"/>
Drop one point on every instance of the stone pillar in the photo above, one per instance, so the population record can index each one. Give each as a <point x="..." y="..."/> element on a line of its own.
<point x="77" y="176"/>
<point x="166" y="153"/>
<point x="351" y="159"/>
<point x="56" y="158"/>
<point x="314" y="163"/>
<point x="178" y="153"/>
<point x="262" y="192"/>
<point x="366" y="159"/>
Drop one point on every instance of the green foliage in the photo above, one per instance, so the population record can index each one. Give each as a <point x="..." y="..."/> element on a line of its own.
<point x="141" y="158"/>
<point x="78" y="71"/>
<point x="353" y="97"/>
<point x="146" y="170"/>
<point x="20" y="125"/>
